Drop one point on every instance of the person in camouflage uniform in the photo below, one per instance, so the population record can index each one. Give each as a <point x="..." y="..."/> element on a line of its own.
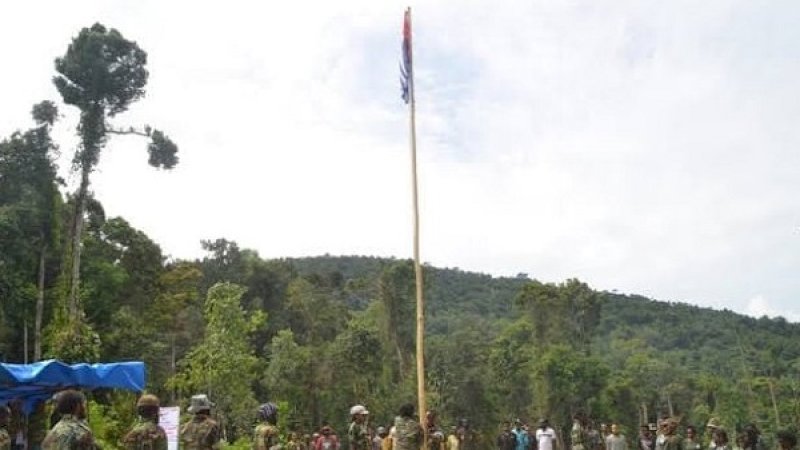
<point x="408" y="432"/>
<point x="358" y="433"/>
<point x="266" y="434"/>
<point x="146" y="433"/>
<point x="672" y="440"/>
<point x="5" y="439"/>
<point x="202" y="432"/>
<point x="578" y="434"/>
<point x="71" y="431"/>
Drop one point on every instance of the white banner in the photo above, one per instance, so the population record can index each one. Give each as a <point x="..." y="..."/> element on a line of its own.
<point x="170" y="419"/>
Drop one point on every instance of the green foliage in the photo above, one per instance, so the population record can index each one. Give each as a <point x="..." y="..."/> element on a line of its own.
<point x="101" y="69"/>
<point x="224" y="365"/>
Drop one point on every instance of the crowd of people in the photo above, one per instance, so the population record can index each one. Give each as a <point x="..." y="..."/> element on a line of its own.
<point x="664" y="435"/>
<point x="69" y="430"/>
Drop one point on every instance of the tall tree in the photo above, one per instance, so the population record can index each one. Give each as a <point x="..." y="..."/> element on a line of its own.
<point x="224" y="364"/>
<point x="30" y="208"/>
<point x="102" y="74"/>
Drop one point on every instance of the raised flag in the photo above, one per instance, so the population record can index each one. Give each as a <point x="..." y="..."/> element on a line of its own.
<point x="406" y="73"/>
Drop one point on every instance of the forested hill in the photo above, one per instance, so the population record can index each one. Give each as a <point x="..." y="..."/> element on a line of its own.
<point x="449" y="291"/>
<point x="664" y="325"/>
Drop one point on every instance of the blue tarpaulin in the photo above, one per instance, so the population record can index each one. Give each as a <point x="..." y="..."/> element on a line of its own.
<point x="35" y="382"/>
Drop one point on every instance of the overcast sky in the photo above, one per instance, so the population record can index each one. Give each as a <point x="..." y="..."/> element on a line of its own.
<point x="645" y="146"/>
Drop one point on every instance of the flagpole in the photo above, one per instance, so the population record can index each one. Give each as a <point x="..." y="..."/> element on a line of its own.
<point x="417" y="266"/>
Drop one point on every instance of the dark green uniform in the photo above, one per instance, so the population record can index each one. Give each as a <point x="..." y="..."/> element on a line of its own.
<point x="358" y="435"/>
<point x="70" y="433"/>
<point x="408" y="434"/>
<point x="578" y="436"/>
<point x="673" y="442"/>
<point x="202" y="433"/>
<point x="145" y="435"/>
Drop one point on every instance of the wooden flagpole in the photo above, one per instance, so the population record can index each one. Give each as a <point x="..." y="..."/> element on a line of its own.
<point x="417" y="266"/>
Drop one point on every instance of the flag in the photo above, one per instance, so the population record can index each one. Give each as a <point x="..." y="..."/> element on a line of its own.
<point x="406" y="74"/>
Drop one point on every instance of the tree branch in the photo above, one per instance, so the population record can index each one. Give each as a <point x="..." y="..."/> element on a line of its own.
<point x="129" y="131"/>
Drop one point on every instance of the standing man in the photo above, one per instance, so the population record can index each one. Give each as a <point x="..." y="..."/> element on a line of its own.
<point x="546" y="436"/>
<point x="377" y="441"/>
<point x="71" y="431"/>
<point x="408" y="432"/>
<point x="692" y="442"/>
<point x="615" y="440"/>
<point x="266" y="435"/>
<point x="5" y="439"/>
<point x="646" y="441"/>
<point x="521" y="436"/>
<point x="146" y="433"/>
<point x="672" y="440"/>
<point x="202" y="432"/>
<point x="435" y="436"/>
<point x="578" y="432"/>
<point x="358" y="433"/>
<point x="506" y="440"/>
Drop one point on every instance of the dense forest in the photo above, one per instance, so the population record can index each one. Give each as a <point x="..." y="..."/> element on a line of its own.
<point x="317" y="335"/>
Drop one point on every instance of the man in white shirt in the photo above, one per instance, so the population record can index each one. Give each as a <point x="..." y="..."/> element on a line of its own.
<point x="546" y="436"/>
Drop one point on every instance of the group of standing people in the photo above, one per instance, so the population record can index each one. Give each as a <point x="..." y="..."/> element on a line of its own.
<point x="70" y="431"/>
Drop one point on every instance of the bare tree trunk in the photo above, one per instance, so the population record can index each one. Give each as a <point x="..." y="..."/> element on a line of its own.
<point x="774" y="403"/>
<point x="669" y="405"/>
<point x="77" y="233"/>
<point x="37" y="326"/>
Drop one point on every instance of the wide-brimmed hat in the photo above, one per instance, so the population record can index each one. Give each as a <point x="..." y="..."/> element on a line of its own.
<point x="199" y="403"/>
<point x="358" y="409"/>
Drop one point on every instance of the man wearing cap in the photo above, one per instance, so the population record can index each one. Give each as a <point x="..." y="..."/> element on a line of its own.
<point x="202" y="432"/>
<point x="5" y="439"/>
<point x="266" y="434"/>
<point x="712" y="425"/>
<point x="377" y="441"/>
<point x="358" y="433"/>
<point x="71" y="431"/>
<point x="146" y="434"/>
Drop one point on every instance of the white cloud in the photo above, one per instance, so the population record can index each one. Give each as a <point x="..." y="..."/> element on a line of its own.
<point x="648" y="147"/>
<point x="758" y="306"/>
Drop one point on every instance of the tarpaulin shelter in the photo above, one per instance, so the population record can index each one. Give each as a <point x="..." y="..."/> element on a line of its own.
<point x="32" y="383"/>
